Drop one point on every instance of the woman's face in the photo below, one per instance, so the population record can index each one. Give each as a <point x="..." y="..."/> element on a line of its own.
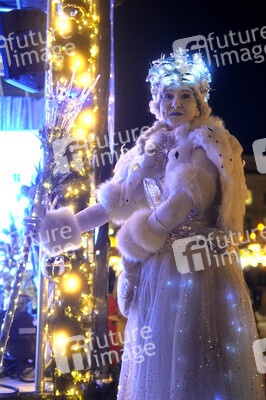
<point x="178" y="105"/>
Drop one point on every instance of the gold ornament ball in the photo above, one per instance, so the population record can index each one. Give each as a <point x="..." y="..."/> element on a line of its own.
<point x="55" y="267"/>
<point x="74" y="10"/>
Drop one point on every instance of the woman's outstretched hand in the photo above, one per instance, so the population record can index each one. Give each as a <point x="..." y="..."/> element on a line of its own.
<point x="58" y="231"/>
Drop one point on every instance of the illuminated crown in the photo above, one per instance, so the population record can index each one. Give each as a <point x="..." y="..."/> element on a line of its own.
<point x="180" y="67"/>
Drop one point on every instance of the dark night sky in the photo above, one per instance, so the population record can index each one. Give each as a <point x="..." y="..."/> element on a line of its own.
<point x="146" y="28"/>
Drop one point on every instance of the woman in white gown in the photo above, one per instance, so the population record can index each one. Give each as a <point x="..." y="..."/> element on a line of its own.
<point x="180" y="197"/>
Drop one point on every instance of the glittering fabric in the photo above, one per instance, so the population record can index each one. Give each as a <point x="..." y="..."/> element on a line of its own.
<point x="162" y="150"/>
<point x="152" y="192"/>
<point x="201" y="329"/>
<point x="189" y="335"/>
<point x="193" y="225"/>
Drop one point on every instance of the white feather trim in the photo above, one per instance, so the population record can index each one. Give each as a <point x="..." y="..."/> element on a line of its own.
<point x="197" y="183"/>
<point x="60" y="231"/>
<point x="136" y="240"/>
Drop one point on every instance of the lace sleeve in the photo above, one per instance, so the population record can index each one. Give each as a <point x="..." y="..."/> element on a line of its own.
<point x="127" y="287"/>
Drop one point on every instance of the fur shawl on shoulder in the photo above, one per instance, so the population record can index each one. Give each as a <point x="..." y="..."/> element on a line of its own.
<point x="118" y="195"/>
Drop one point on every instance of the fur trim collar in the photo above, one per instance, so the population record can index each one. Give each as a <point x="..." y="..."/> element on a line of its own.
<point x="221" y="148"/>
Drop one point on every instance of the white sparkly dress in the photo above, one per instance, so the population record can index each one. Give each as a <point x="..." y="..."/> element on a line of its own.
<point x="188" y="336"/>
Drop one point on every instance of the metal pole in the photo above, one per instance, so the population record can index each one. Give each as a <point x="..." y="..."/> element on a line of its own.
<point x="41" y="338"/>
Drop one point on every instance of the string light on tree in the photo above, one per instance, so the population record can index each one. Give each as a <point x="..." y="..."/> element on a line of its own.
<point x="74" y="59"/>
<point x="71" y="283"/>
<point x="260" y="226"/>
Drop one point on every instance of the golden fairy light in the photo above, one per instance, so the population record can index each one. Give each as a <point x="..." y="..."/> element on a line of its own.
<point x="260" y="226"/>
<point x="71" y="283"/>
<point x="60" y="340"/>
